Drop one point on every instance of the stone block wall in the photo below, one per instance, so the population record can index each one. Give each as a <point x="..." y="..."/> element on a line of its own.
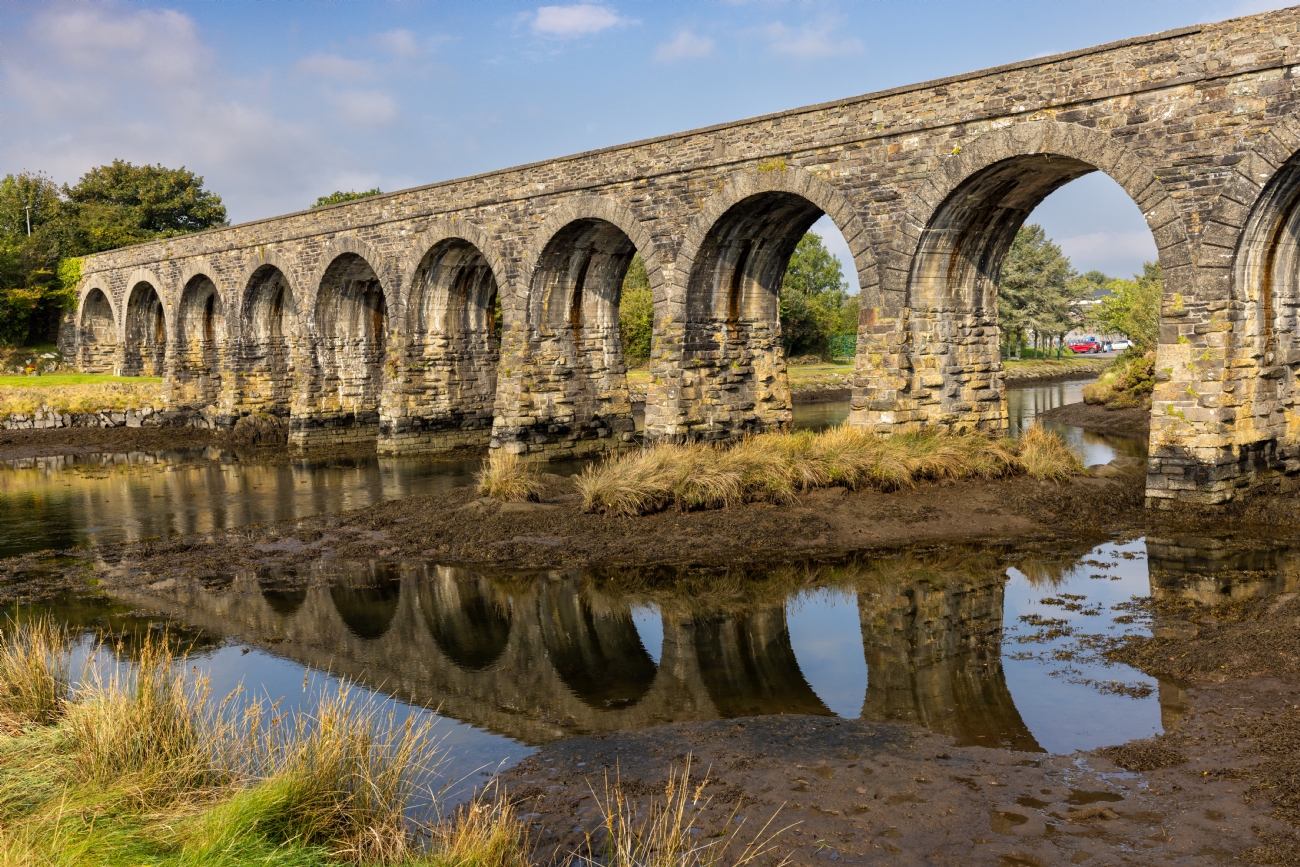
<point x="928" y="184"/>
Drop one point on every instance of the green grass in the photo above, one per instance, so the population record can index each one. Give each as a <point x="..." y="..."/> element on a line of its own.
<point x="51" y="380"/>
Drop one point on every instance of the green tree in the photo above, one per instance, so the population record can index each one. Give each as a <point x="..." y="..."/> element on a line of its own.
<point x="339" y="196"/>
<point x="1133" y="308"/>
<point x="636" y="311"/>
<point x="1038" y="291"/>
<point x="111" y="206"/>
<point x="814" y="297"/>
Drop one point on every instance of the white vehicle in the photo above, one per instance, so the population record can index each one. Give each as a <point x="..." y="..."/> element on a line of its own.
<point x="1120" y="345"/>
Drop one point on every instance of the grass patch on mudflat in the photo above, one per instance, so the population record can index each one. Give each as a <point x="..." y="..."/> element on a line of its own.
<point x="1129" y="382"/>
<point x="77" y="393"/>
<point x="776" y="467"/>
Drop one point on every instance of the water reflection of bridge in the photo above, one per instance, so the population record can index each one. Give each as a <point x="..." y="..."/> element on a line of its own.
<point x="557" y="656"/>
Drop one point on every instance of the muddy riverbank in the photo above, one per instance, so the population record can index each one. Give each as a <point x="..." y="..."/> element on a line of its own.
<point x="1220" y="785"/>
<point x="1103" y="419"/>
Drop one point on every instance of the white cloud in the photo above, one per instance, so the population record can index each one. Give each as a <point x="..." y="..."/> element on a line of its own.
<point x="367" y="107"/>
<point x="93" y="83"/>
<point x="333" y="66"/>
<point x="685" y="46"/>
<point x="815" y="40"/>
<point x="400" y="43"/>
<point x="582" y="19"/>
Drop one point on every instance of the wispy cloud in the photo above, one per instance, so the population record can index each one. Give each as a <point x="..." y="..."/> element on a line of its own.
<point x="333" y="66"/>
<point x="582" y="19"/>
<point x="818" y="39"/>
<point x="399" y="43"/>
<point x="685" y="46"/>
<point x="369" y="107"/>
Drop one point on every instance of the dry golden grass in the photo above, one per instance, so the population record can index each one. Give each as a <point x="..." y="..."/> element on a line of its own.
<point x="776" y="467"/>
<point x="33" y="670"/>
<point x="147" y="727"/>
<point x="83" y="398"/>
<point x="506" y="476"/>
<point x="664" y="832"/>
<point x="1045" y="455"/>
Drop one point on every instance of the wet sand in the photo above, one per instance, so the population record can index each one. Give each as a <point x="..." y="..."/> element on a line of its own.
<point x="1102" y="419"/>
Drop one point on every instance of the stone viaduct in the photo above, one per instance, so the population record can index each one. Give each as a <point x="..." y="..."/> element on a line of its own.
<point x="376" y="318"/>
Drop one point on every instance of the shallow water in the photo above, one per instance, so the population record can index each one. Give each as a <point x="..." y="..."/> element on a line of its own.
<point x="993" y="645"/>
<point x="986" y="644"/>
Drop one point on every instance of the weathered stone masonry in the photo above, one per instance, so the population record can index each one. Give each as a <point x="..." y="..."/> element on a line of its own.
<point x="374" y="318"/>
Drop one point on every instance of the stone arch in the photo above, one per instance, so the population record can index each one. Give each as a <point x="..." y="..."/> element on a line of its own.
<point x="449" y="345"/>
<point x="269" y="328"/>
<point x="733" y="262"/>
<point x="963" y="218"/>
<point x="145" y="326"/>
<point x="97" y="321"/>
<point x="785" y="181"/>
<point x="468" y="616"/>
<point x="342" y="245"/>
<point x="200" y="339"/>
<point x="958" y="228"/>
<point x="594" y="647"/>
<point x="572" y="280"/>
<point x="1263" y="349"/>
<point x="351" y="328"/>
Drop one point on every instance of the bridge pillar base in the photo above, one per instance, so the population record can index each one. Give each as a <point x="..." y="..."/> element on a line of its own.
<point x="1209" y="476"/>
<point x="416" y="440"/>
<point x="557" y="443"/>
<point x="333" y="431"/>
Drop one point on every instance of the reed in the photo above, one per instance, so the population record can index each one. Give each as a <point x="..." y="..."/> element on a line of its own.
<point x="775" y="467"/>
<point x="1045" y="456"/>
<point x="508" y="477"/>
<point x="664" y="832"/>
<point x="33" y="670"/>
<point x="147" y="727"/>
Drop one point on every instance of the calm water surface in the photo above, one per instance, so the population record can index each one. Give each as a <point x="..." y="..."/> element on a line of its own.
<point x="988" y="644"/>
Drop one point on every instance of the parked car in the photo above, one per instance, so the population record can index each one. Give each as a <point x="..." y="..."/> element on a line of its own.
<point x="1121" y="345"/>
<point x="1085" y="346"/>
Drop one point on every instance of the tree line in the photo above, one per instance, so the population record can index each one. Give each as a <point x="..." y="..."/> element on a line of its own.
<point x="1041" y="299"/>
<point x="45" y="229"/>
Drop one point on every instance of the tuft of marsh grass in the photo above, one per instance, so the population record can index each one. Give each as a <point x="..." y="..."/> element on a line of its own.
<point x="506" y="476"/>
<point x="775" y="467"/>
<point x="484" y="833"/>
<point x="147" y="726"/>
<point x="664" y="832"/>
<point x="33" y="669"/>
<point x="1045" y="455"/>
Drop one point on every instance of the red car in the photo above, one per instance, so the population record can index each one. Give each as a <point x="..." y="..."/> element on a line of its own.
<point x="1088" y="346"/>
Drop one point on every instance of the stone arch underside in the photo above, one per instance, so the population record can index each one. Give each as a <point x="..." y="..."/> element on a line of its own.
<point x="733" y="360"/>
<point x="351" y="319"/>
<point x="572" y="376"/>
<point x="266" y="377"/>
<point x="97" y="334"/>
<point x="1262" y="347"/>
<point x="952" y="300"/>
<point x="146" y="333"/>
<point x="445" y="390"/>
<point x="201" y="341"/>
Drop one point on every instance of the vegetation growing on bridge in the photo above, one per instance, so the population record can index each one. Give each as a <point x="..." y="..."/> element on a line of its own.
<point x="340" y="196"/>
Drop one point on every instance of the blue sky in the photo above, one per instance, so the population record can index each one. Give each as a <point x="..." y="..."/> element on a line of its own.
<point x="277" y="103"/>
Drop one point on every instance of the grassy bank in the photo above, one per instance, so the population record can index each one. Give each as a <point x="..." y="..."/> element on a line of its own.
<point x="111" y="767"/>
<point x="77" y="393"/>
<point x="777" y="467"/>
<point x="1044" y="368"/>
<point x="1128" y="382"/>
<point x="132" y="762"/>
